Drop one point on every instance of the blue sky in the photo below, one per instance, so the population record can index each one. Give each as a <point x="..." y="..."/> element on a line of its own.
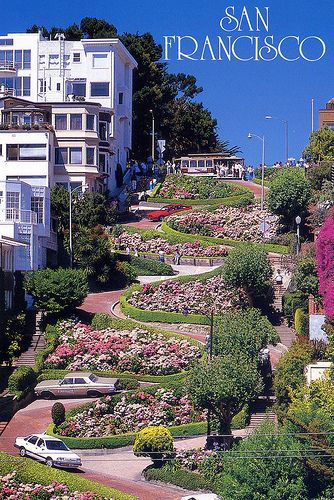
<point x="239" y="94"/>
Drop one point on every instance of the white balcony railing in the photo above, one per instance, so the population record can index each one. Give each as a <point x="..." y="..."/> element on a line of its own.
<point x="22" y="216"/>
<point x="7" y="67"/>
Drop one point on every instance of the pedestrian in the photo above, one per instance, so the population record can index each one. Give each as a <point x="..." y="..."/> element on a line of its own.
<point x="127" y="250"/>
<point x="136" y="252"/>
<point x="279" y="278"/>
<point x="161" y="256"/>
<point x="133" y="182"/>
<point x="177" y="257"/>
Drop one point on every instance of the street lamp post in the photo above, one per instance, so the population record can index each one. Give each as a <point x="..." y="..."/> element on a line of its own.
<point x="71" y="191"/>
<point x="250" y="136"/>
<point x="298" y="221"/>
<point x="153" y="135"/>
<point x="286" y="131"/>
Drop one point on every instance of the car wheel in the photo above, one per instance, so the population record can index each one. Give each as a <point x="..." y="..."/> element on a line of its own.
<point x="23" y="452"/>
<point x="47" y="395"/>
<point x="161" y="219"/>
<point x="94" y="394"/>
<point x="49" y="462"/>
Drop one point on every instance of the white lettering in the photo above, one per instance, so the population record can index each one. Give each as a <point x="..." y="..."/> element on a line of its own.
<point x="267" y="49"/>
<point x="181" y="55"/>
<point x="244" y="14"/>
<point x="301" y="48"/>
<point x="168" y="44"/>
<point x="207" y="43"/>
<point x="259" y="16"/>
<point x="279" y="48"/>
<point x="221" y="46"/>
<point x="233" y="48"/>
<point x="229" y="19"/>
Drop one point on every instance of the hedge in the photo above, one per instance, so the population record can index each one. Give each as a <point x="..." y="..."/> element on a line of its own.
<point x="180" y="477"/>
<point x="120" y="440"/>
<point x="259" y="181"/>
<point x="301" y="321"/>
<point x="212" y="240"/>
<point x="164" y="316"/>
<point x="29" y="471"/>
<point x="21" y="381"/>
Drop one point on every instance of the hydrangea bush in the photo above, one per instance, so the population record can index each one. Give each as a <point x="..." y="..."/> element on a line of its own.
<point x="133" y="412"/>
<point x="137" y="351"/>
<point x="185" y="187"/>
<point x="191" y="249"/>
<point x="13" y="489"/>
<point x="193" y="297"/>
<point x="325" y="263"/>
<point x="228" y="222"/>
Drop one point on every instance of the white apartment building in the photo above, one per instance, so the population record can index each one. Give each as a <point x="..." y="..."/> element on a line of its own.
<point x="66" y="118"/>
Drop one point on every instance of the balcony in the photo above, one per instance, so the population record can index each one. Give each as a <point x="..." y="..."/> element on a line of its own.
<point x="7" y="68"/>
<point x="19" y="216"/>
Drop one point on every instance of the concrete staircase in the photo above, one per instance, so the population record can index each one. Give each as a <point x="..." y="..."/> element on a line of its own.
<point x="279" y="291"/>
<point x="261" y="411"/>
<point x="37" y="344"/>
<point x="286" y="334"/>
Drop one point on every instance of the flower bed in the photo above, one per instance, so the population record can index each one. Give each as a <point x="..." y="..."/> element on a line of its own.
<point x="192" y="297"/>
<point x="179" y="187"/>
<point x="154" y="245"/>
<point x="80" y="347"/>
<point x="241" y="224"/>
<point x="132" y="412"/>
<point x="10" y="487"/>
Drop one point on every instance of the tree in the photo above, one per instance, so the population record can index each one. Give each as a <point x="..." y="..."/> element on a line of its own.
<point x="248" y="267"/>
<point x="57" y="290"/>
<point x="223" y="386"/>
<point x="289" y="195"/>
<point x="245" y="332"/>
<point x="91" y="27"/>
<point x="306" y="276"/>
<point x="266" y="465"/>
<point x="60" y="206"/>
<point x="321" y="146"/>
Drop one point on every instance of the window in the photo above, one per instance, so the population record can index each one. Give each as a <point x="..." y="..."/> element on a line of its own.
<point x="0" y="154"/>
<point x="99" y="89"/>
<point x="6" y="41"/>
<point x="12" y="152"/>
<point x="61" y="156"/>
<point x="42" y="86"/>
<point x="75" y="122"/>
<point x="76" y="57"/>
<point x="67" y="381"/>
<point x="61" y="122"/>
<point x="26" y="59"/>
<point x="66" y="60"/>
<point x="80" y="381"/>
<point x="26" y="152"/>
<point x="100" y="60"/>
<point x="41" y="60"/>
<point x="90" y="122"/>
<point x="18" y="59"/>
<point x="76" y="155"/>
<point x="12" y="205"/>
<point x="53" y="60"/>
<point x="103" y="130"/>
<point x="90" y="156"/>
<point x="120" y="98"/>
<point x="102" y="163"/>
<point x="37" y="206"/>
<point x="58" y="87"/>
<point x="26" y="85"/>
<point x="6" y="57"/>
<point x="79" y="89"/>
<point x="33" y="440"/>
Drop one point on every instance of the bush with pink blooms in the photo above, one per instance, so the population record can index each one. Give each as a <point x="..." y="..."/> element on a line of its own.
<point x="242" y="224"/>
<point x="154" y="245"/>
<point x="195" y="297"/>
<point x="130" y="413"/>
<point x="325" y="263"/>
<point x="80" y="347"/>
<point x="180" y="187"/>
<point x="14" y="489"/>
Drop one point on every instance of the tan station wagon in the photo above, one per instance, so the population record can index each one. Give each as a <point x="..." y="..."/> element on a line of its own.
<point x="77" y="384"/>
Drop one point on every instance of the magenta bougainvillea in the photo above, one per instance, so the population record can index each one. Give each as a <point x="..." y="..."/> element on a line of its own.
<point x="325" y="263"/>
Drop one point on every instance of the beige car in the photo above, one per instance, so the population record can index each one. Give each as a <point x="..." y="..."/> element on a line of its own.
<point x="76" y="384"/>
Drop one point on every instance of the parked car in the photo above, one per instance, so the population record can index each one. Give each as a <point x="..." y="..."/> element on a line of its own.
<point x="166" y="211"/>
<point x="76" y="384"/>
<point x="48" y="449"/>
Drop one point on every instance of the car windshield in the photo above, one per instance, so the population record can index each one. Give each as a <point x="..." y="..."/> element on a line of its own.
<point x="93" y="377"/>
<point x="56" y="445"/>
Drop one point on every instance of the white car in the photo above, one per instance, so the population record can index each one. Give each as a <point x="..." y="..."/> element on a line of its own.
<point x="48" y="449"/>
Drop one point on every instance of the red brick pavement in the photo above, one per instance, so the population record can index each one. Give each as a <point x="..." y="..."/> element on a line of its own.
<point x="100" y="302"/>
<point x="255" y="188"/>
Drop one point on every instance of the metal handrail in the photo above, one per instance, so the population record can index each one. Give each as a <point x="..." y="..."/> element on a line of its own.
<point x="7" y="66"/>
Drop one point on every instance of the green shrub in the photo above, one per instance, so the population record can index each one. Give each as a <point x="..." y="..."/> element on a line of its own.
<point x="301" y="323"/>
<point x="58" y="413"/>
<point x="173" y="474"/>
<point x="241" y="419"/>
<point x="124" y="274"/>
<point x="293" y="301"/>
<point x="147" y="267"/>
<point x="127" y="384"/>
<point x="29" y="471"/>
<point x="154" y="442"/>
<point x="21" y="380"/>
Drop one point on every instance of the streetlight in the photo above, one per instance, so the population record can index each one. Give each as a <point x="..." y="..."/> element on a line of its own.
<point x="153" y="135"/>
<point x="298" y="221"/>
<point x="286" y="128"/>
<point x="71" y="191"/>
<point x="250" y="136"/>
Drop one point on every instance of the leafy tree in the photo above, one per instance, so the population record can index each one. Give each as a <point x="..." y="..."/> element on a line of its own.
<point x="90" y="209"/>
<point x="250" y="472"/>
<point x="306" y="276"/>
<point x="289" y="195"/>
<point x="321" y="146"/>
<point x="248" y="267"/>
<point x="245" y="332"/>
<point x="91" y="27"/>
<point x="223" y="386"/>
<point x="154" y="442"/>
<point x="60" y="206"/>
<point x="57" y="290"/>
<point x="318" y="174"/>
